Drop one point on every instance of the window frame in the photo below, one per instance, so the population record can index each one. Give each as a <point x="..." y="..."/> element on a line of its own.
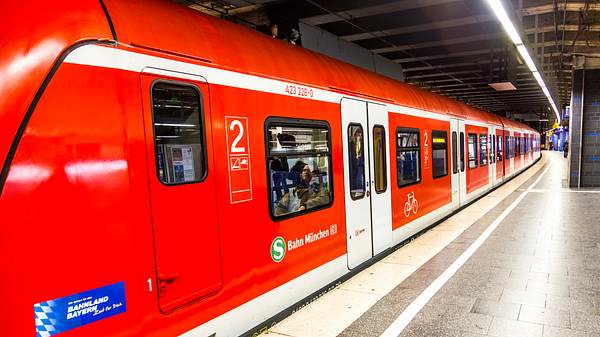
<point x="204" y="155"/>
<point x="413" y="130"/>
<point x="476" y="151"/>
<point x="432" y="149"/>
<point x="385" y="166"/>
<point x="291" y="121"/>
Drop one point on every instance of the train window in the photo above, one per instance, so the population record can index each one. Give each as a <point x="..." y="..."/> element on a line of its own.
<point x="454" y="153"/>
<point x="439" y="153"/>
<point x="299" y="163"/>
<point x="472" y="150"/>
<point x="356" y="158"/>
<point x="483" y="150"/>
<point x="178" y="133"/>
<point x="408" y="156"/>
<point x="462" y="152"/>
<point x="507" y="147"/>
<point x="499" y="149"/>
<point x="379" y="159"/>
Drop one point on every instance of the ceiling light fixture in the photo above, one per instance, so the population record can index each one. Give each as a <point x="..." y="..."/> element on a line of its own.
<point x="513" y="34"/>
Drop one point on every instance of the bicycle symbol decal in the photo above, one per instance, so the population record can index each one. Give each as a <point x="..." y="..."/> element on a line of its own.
<point x="411" y="204"/>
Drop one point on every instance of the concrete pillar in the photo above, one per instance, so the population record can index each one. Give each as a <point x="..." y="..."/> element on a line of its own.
<point x="584" y="123"/>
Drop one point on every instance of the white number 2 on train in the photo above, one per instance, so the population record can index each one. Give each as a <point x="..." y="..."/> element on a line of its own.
<point x="234" y="145"/>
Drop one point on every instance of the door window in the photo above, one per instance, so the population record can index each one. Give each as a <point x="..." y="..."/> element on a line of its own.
<point x="356" y="159"/>
<point x="462" y="152"/>
<point x="454" y="153"/>
<point x="379" y="158"/>
<point x="178" y="133"/>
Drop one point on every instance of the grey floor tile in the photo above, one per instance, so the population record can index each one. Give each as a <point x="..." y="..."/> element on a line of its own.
<point x="504" y="327"/>
<point x="522" y="297"/>
<point x="550" y="331"/>
<point x="584" y="304"/>
<point x="470" y="322"/>
<point x="547" y="316"/>
<point x="496" y="309"/>
<point x="548" y="288"/>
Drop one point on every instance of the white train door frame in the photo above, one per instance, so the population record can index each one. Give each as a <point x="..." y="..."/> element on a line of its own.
<point x="356" y="181"/>
<point x="380" y="186"/>
<point x="457" y="153"/>
<point x="491" y="146"/>
<point x="512" y="150"/>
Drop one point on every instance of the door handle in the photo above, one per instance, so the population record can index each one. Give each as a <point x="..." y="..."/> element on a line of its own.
<point x="165" y="279"/>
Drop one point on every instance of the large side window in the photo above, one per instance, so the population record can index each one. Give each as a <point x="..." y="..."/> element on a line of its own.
<point x="439" y="153"/>
<point x="379" y="158"/>
<point x="507" y="147"/>
<point x="408" y="156"/>
<point x="483" y="150"/>
<point x="356" y="159"/>
<point x="178" y="133"/>
<point x="299" y="164"/>
<point x="472" y="150"/>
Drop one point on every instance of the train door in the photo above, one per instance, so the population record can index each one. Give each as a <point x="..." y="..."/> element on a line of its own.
<point x="499" y="155"/>
<point x="510" y="150"/>
<point x="366" y="173"/>
<point x="182" y="187"/>
<point x="356" y="181"/>
<point x="381" y="195"/>
<point x="491" y="145"/>
<point x="459" y="177"/>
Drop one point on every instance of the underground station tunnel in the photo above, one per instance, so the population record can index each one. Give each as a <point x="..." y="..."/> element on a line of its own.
<point x="300" y="168"/>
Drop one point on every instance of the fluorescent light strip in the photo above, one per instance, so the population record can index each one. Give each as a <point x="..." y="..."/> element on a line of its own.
<point x="512" y="32"/>
<point x="525" y="55"/>
<point x="505" y="21"/>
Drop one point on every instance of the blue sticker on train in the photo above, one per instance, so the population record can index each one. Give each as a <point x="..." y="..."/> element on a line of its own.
<point x="66" y="313"/>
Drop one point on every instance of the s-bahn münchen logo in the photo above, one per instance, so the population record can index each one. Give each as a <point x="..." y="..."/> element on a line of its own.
<point x="278" y="249"/>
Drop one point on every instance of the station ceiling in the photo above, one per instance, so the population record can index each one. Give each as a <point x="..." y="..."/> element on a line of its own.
<point x="453" y="47"/>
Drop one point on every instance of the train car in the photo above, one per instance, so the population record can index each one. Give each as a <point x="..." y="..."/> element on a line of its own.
<point x="168" y="173"/>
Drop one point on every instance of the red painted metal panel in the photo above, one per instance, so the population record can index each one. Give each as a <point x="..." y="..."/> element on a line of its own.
<point x="33" y="36"/>
<point x="430" y="193"/>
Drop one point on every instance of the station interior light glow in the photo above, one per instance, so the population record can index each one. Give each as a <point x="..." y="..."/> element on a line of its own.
<point x="513" y="34"/>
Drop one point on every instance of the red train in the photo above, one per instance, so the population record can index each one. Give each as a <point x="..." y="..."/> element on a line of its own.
<point x="168" y="173"/>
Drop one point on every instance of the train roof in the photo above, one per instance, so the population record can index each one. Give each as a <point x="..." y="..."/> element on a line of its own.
<point x="174" y="28"/>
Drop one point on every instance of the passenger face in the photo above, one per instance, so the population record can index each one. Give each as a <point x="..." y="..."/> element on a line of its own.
<point x="306" y="174"/>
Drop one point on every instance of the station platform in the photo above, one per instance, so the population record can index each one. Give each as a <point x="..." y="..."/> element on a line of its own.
<point x="522" y="261"/>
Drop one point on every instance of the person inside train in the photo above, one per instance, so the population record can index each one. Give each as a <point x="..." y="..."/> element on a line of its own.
<point x="305" y="195"/>
<point x="357" y="163"/>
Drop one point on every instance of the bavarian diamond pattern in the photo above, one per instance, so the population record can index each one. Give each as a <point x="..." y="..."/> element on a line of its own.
<point x="46" y="323"/>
